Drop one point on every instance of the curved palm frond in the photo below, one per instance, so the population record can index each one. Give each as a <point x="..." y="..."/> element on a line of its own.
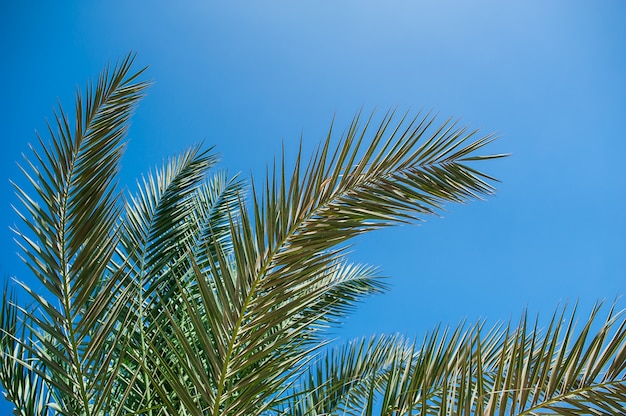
<point x="19" y="368"/>
<point x="204" y="215"/>
<point x="344" y="379"/>
<point x="470" y="371"/>
<point x="72" y="237"/>
<point x="292" y="238"/>
<point x="151" y="233"/>
<point x="517" y="371"/>
<point x="154" y="222"/>
<point x="284" y="278"/>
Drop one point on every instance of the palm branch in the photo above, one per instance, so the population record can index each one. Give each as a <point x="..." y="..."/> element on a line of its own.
<point x="513" y="370"/>
<point x="70" y="238"/>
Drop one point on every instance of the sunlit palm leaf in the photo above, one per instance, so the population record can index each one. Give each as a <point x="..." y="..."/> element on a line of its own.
<point x="470" y="371"/>
<point x="155" y="217"/>
<point x="283" y="252"/>
<point x="175" y="211"/>
<point x="24" y="386"/>
<point x="72" y="235"/>
<point x="516" y="371"/>
<point x="341" y="379"/>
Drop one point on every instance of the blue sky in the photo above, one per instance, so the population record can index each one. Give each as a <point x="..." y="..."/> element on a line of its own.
<point x="548" y="77"/>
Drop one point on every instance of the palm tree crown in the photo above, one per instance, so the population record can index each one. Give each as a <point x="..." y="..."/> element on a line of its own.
<point x="196" y="295"/>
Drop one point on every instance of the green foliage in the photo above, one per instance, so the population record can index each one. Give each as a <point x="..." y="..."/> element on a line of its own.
<point x="194" y="297"/>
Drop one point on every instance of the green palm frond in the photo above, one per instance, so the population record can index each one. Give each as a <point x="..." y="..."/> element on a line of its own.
<point x="288" y="244"/>
<point x="175" y="210"/>
<point x="343" y="378"/>
<point x="19" y="369"/>
<point x="154" y="222"/>
<point x="216" y="203"/>
<point x="470" y="371"/>
<point x="260" y="300"/>
<point x="72" y="236"/>
<point x="517" y="371"/>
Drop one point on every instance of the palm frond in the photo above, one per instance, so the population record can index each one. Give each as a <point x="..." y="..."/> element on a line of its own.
<point x="285" y="250"/>
<point x="191" y="298"/>
<point x="518" y="371"/>
<point x="523" y="370"/>
<point x="172" y="211"/>
<point x="341" y="379"/>
<point x="24" y="387"/>
<point x="72" y="223"/>
<point x="155" y="216"/>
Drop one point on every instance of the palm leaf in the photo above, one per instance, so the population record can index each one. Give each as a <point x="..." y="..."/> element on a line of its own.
<point x="516" y="371"/>
<point x="19" y="369"/>
<point x="173" y="211"/>
<point x="286" y="245"/>
<point x="467" y="370"/>
<point x="188" y="298"/>
<point x="72" y="236"/>
<point x="284" y="276"/>
<point x="341" y="379"/>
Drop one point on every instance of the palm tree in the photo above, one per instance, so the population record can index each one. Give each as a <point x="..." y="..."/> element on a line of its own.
<point x="196" y="295"/>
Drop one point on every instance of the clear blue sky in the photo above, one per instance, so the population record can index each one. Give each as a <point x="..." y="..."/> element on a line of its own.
<point x="548" y="77"/>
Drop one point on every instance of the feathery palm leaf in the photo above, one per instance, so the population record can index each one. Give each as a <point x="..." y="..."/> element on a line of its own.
<point x="514" y="371"/>
<point x="291" y="241"/>
<point x="24" y="387"/>
<point x="73" y="222"/>
<point x="285" y="275"/>
<point x="518" y="371"/>
<point x="174" y="211"/>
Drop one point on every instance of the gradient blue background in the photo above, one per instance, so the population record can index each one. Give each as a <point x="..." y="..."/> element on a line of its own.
<point x="246" y="76"/>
